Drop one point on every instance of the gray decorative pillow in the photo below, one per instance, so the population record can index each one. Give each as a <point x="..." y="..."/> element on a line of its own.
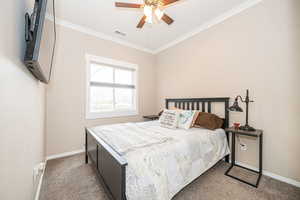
<point x="169" y="119"/>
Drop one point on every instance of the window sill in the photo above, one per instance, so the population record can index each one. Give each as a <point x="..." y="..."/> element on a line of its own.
<point x="111" y="114"/>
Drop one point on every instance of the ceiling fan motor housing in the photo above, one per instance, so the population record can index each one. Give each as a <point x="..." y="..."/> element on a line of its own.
<point x="154" y="3"/>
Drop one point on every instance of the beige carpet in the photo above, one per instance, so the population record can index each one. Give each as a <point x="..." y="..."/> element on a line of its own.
<point x="70" y="179"/>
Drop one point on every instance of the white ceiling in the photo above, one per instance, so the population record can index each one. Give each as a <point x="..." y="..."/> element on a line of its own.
<point x="103" y="17"/>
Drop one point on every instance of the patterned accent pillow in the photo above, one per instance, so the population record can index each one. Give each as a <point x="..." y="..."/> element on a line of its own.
<point x="186" y="118"/>
<point x="169" y="119"/>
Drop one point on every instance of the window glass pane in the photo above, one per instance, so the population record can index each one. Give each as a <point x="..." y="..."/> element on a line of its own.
<point x="124" y="98"/>
<point x="101" y="99"/>
<point x="101" y="73"/>
<point x="123" y="76"/>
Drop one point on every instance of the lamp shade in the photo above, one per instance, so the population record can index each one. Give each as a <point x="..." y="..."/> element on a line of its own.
<point x="235" y="107"/>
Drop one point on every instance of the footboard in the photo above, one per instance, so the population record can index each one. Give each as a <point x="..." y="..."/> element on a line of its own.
<point x="109" y="165"/>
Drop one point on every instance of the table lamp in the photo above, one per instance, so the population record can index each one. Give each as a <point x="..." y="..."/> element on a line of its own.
<point x="235" y="107"/>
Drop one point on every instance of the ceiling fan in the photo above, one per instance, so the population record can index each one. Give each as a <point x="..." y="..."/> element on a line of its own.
<point x="153" y="10"/>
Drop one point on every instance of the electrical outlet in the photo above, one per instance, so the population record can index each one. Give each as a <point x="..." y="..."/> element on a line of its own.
<point x="41" y="167"/>
<point x="37" y="171"/>
<point x="243" y="147"/>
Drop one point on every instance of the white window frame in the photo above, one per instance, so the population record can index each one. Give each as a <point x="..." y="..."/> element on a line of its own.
<point x="118" y="64"/>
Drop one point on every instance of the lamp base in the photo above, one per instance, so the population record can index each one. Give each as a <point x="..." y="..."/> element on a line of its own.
<point x="247" y="128"/>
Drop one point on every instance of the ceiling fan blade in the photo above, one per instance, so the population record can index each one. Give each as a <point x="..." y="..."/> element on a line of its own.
<point x="128" y="5"/>
<point x="167" y="2"/>
<point x="167" y="19"/>
<point x="142" y="22"/>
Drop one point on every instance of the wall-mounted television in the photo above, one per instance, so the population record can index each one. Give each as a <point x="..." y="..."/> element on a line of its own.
<point x="40" y="42"/>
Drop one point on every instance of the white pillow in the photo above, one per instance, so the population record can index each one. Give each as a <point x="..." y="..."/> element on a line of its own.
<point x="169" y="119"/>
<point x="186" y="117"/>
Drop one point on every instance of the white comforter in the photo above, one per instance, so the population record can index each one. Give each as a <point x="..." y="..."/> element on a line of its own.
<point x="162" y="161"/>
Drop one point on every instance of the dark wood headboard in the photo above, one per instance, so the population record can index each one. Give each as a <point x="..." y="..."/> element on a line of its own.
<point x="203" y="104"/>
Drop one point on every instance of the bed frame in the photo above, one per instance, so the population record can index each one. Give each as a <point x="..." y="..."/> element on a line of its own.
<point x="111" y="167"/>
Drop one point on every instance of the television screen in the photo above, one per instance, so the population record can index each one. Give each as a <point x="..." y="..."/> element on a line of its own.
<point x="40" y="40"/>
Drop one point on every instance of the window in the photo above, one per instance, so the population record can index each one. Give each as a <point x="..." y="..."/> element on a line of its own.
<point x="112" y="89"/>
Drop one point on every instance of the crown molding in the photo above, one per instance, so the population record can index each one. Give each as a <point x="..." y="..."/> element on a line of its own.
<point x="236" y="10"/>
<point x="97" y="34"/>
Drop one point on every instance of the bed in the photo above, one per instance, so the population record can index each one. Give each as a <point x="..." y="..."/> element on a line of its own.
<point x="146" y="161"/>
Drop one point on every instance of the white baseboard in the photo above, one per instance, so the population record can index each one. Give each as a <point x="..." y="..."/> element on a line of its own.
<point x="37" y="193"/>
<point x="272" y="175"/>
<point x="61" y="155"/>
<point x="266" y="173"/>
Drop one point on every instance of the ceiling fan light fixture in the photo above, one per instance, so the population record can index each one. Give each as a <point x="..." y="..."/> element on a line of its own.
<point x="149" y="19"/>
<point x="148" y="11"/>
<point x="153" y="11"/>
<point x="159" y="13"/>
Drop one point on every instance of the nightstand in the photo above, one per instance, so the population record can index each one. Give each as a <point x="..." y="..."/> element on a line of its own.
<point x="257" y="134"/>
<point x="151" y="117"/>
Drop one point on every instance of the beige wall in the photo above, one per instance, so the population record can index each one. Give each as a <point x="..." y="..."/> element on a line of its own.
<point x="66" y="93"/>
<point x="22" y="103"/>
<point x="258" y="49"/>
